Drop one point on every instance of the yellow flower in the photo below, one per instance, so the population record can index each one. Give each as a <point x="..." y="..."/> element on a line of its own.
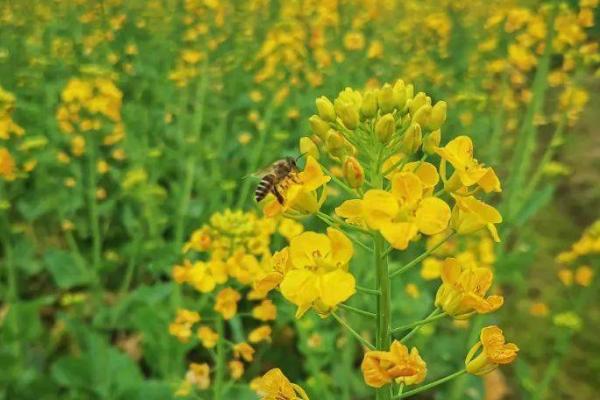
<point x="463" y="289"/>
<point x="470" y="215"/>
<point x="270" y="279"/>
<point x="266" y="311"/>
<point x="198" y="375"/>
<point x="584" y="275"/>
<point x="319" y="274"/>
<point x="200" y="240"/>
<point x="207" y="336"/>
<point x="566" y="276"/>
<point x="381" y="367"/>
<point x="495" y="351"/>
<point x="288" y="228"/>
<point x="539" y="309"/>
<point x="204" y="276"/>
<point x="243" y="350"/>
<point x="236" y="369"/>
<point x="181" y="328"/>
<point x="7" y="165"/>
<point x="301" y="197"/>
<point x="467" y="170"/>
<point x="275" y="386"/>
<point x="262" y="333"/>
<point x="354" y="41"/>
<point x="400" y="215"/>
<point x="226" y="302"/>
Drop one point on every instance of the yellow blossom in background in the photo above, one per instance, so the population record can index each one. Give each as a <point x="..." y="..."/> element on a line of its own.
<point x="208" y="337"/>
<point x="569" y="320"/>
<point x="566" y="276"/>
<point x="380" y="368"/>
<point x="226" y="302"/>
<point x="584" y="275"/>
<point x="463" y="290"/>
<point x="198" y="375"/>
<point x="7" y="165"/>
<point x="539" y="309"/>
<point x="243" y="350"/>
<point x="236" y="369"/>
<point x="260" y="334"/>
<point x="266" y="311"/>
<point x="181" y="328"/>
<point x="319" y="274"/>
<point x="494" y="351"/>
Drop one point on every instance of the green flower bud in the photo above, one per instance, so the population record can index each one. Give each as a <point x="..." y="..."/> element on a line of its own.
<point x="384" y="128"/>
<point x="348" y="113"/>
<point x="325" y="108"/>
<point x="368" y="109"/>
<point x="422" y="115"/>
<point x="431" y="141"/>
<point x="438" y="115"/>
<point x="308" y="147"/>
<point x="354" y="174"/>
<point x="400" y="97"/>
<point x="412" y="139"/>
<point x="318" y="126"/>
<point x="385" y="98"/>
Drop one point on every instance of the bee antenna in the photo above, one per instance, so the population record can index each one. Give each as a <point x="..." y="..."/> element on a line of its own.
<point x="301" y="155"/>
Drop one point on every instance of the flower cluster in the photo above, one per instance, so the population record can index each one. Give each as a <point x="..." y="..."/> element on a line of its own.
<point x="588" y="245"/>
<point x="398" y="364"/>
<point x="223" y="257"/>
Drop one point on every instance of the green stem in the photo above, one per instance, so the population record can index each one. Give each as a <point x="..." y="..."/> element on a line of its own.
<point x="384" y="305"/>
<point x="363" y="289"/>
<point x="325" y="218"/>
<point x="93" y="208"/>
<point x="357" y="310"/>
<point x="356" y="335"/>
<point x="417" y="260"/>
<point x="431" y="385"/>
<point x="434" y="316"/>
<point x="220" y="363"/>
<point x="184" y="203"/>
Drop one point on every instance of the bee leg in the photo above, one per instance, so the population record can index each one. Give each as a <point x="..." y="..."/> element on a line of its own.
<point x="294" y="178"/>
<point x="277" y="195"/>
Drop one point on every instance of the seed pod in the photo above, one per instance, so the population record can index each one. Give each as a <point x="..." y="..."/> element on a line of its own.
<point x="354" y="174"/>
<point x="384" y="128"/>
<point x="385" y="98"/>
<point x="308" y="147"/>
<point x="325" y="108"/>
<point x="318" y="126"/>
<point x="412" y="139"/>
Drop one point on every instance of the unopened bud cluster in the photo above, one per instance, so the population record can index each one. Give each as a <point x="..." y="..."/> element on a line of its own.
<point x="358" y="127"/>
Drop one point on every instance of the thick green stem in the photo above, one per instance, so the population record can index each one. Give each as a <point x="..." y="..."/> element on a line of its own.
<point x="220" y="360"/>
<point x="431" y="385"/>
<point x="384" y="306"/>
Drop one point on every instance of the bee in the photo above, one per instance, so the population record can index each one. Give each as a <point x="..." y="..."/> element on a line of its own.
<point x="274" y="176"/>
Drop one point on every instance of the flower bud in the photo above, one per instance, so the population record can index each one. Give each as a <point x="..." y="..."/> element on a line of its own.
<point x="417" y="102"/>
<point x="422" y="115"/>
<point x="438" y="115"/>
<point x="308" y="147"/>
<point x="318" y="126"/>
<point x="335" y="143"/>
<point x="431" y="141"/>
<point x="412" y="139"/>
<point x="325" y="108"/>
<point x="400" y="97"/>
<point x="348" y="113"/>
<point x="368" y="108"/>
<point x="384" y="128"/>
<point x="354" y="174"/>
<point x="385" y="98"/>
<point x="410" y="91"/>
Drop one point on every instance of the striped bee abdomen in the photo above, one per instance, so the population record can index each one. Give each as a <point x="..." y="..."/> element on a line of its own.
<point x="264" y="187"/>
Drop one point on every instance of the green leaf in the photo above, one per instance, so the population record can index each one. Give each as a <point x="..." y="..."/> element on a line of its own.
<point x="64" y="269"/>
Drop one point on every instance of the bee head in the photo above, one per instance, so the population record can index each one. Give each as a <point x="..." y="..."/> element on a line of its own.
<point x="291" y="161"/>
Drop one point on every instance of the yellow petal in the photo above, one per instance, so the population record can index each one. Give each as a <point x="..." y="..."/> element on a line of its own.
<point x="490" y="182"/>
<point x="399" y="234"/>
<point x="407" y="188"/>
<point x="426" y="172"/>
<point x="350" y="209"/>
<point x="341" y="247"/>
<point x="336" y="287"/>
<point x="432" y="216"/>
<point x="379" y="207"/>
<point x="312" y="177"/>
<point x="300" y="287"/>
<point x="305" y="246"/>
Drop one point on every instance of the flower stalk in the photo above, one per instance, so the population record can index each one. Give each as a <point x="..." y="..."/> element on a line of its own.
<point x="431" y="385"/>
<point x="434" y="316"/>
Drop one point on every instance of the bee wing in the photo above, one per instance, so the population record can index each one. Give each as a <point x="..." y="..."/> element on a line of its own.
<point x="260" y="173"/>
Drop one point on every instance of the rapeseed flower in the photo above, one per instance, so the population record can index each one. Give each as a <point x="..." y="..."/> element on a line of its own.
<point x="274" y="385"/>
<point x="494" y="351"/>
<point x="380" y="368"/>
<point x="226" y="302"/>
